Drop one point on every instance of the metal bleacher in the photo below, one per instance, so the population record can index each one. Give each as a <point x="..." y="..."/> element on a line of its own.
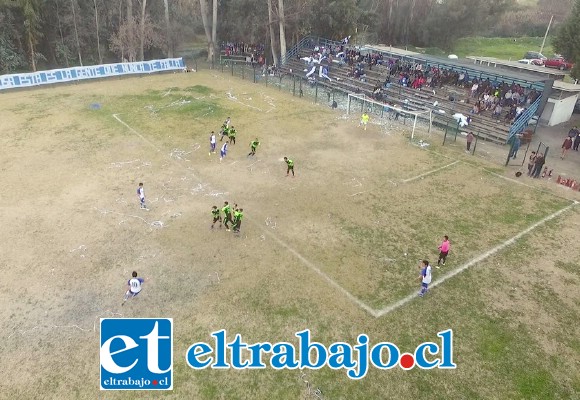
<point x="484" y="124"/>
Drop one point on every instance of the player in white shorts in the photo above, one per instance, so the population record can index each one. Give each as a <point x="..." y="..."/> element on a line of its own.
<point x="141" y="195"/>
<point x="134" y="287"/>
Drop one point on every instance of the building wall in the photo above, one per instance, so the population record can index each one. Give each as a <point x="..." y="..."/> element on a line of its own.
<point x="558" y="111"/>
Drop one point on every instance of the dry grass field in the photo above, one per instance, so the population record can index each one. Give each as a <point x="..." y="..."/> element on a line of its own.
<point x="333" y="249"/>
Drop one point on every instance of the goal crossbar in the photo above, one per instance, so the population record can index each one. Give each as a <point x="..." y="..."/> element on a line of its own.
<point x="399" y="110"/>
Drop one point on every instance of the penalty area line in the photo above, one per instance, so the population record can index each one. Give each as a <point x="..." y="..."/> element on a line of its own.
<point x="116" y="116"/>
<point x="328" y="279"/>
<point x="429" y="172"/>
<point x="481" y="257"/>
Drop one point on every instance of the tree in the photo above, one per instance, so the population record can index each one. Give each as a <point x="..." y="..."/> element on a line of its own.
<point x="206" y="28"/>
<point x="272" y="33"/>
<point x="282" y="32"/>
<point x="168" y="29"/>
<point x="214" y="28"/>
<point x="31" y="12"/>
<point x="97" y="30"/>
<point x="142" y="31"/>
<point x="10" y="58"/>
<point x="73" y="5"/>
<point x="567" y="39"/>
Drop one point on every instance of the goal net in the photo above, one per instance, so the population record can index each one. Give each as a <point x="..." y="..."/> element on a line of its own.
<point x="361" y="102"/>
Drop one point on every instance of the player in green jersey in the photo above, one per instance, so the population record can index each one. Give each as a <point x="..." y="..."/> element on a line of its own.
<point x="215" y="212"/>
<point x="290" y="164"/>
<point x="232" y="135"/>
<point x="238" y="216"/>
<point x="253" y="145"/>
<point x="225" y="131"/>
<point x="227" y="210"/>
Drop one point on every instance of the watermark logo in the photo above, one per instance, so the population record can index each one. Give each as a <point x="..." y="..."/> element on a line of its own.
<point x="136" y="354"/>
<point x="354" y="359"/>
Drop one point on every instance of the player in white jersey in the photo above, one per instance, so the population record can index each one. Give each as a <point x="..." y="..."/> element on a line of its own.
<point x="223" y="151"/>
<point x="134" y="287"/>
<point x="425" y="277"/>
<point x="141" y="195"/>
<point x="212" y="143"/>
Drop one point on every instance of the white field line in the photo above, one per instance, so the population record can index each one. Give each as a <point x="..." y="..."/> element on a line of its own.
<point x="328" y="279"/>
<point x="481" y="257"/>
<point x="510" y="179"/>
<point x="281" y="243"/>
<point x="116" y="116"/>
<point x="429" y="172"/>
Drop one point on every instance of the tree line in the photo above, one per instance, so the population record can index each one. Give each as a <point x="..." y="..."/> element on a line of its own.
<point x="38" y="34"/>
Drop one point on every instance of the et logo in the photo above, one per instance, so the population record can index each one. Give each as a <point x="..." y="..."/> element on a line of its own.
<point x="136" y="354"/>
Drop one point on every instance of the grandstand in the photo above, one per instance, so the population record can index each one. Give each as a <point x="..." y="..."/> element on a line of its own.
<point x="443" y="101"/>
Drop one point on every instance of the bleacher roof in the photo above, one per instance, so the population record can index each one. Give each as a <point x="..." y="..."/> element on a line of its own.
<point x="483" y="71"/>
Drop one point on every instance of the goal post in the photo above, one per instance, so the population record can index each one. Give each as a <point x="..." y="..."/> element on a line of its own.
<point x="405" y="110"/>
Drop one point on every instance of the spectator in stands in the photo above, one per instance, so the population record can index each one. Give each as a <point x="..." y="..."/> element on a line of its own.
<point x="387" y="82"/>
<point x="510" y="115"/>
<point x="508" y="98"/>
<point x="474" y="89"/>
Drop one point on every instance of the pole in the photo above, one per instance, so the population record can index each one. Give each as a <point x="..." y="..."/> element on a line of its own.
<point x="414" y="124"/>
<point x="546" y="35"/>
<point x="316" y="92"/>
<point x="475" y="144"/>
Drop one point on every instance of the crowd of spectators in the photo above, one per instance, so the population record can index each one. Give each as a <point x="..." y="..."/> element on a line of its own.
<point x="242" y="48"/>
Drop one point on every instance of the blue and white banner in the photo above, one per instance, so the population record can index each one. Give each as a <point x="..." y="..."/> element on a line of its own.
<point x="14" y="81"/>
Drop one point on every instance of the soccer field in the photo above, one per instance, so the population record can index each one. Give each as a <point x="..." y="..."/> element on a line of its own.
<point x="334" y="249"/>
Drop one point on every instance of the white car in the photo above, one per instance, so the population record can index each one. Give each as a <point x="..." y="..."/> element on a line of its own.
<point x="534" y="61"/>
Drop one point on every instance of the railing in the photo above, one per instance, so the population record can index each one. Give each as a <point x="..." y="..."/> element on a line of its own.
<point x="310" y="42"/>
<point x="296" y="49"/>
<point x="522" y="122"/>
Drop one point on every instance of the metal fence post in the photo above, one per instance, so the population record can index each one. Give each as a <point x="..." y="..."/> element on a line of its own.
<point x="475" y="144"/>
<point x="315" y="92"/>
<point x="232" y="63"/>
<point x="254" y="69"/>
<point x="293" y="85"/>
<point x="300" y="88"/>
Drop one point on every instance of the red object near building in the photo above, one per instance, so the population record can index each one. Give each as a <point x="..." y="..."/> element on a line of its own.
<point x="558" y="62"/>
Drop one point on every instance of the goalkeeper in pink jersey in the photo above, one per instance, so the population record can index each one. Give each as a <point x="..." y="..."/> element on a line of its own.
<point x="443" y="250"/>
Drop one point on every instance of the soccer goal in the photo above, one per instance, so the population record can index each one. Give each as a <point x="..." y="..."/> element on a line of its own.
<point x="393" y="111"/>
